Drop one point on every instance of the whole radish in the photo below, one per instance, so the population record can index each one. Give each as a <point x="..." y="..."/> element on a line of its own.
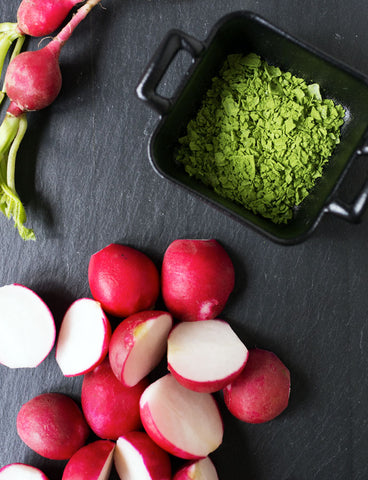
<point x="33" y="79"/>
<point x="197" y="278"/>
<point x="261" y="392"/>
<point x="36" y="18"/>
<point x="52" y="425"/>
<point x="32" y="82"/>
<point x="42" y="17"/>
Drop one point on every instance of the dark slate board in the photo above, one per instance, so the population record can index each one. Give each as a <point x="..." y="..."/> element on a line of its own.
<point x="84" y="175"/>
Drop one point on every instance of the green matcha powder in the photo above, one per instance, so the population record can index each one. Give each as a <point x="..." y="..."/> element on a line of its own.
<point x="261" y="137"/>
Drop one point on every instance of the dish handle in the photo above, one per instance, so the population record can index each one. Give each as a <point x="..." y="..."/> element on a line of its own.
<point x="174" y="41"/>
<point x="352" y="212"/>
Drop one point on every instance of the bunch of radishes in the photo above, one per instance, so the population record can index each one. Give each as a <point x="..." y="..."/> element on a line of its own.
<point x="140" y="416"/>
<point x="32" y="82"/>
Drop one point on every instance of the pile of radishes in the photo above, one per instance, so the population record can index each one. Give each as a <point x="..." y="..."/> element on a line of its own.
<point x="32" y="82"/>
<point x="140" y="416"/>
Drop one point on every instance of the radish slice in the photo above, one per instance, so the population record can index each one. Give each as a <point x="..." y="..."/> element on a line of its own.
<point x="185" y="423"/>
<point x="84" y="338"/>
<point x="138" y="457"/>
<point x="93" y="462"/>
<point x="205" y="356"/>
<point x="27" y="327"/>
<point x="16" y="471"/>
<point x="202" y="469"/>
<point x="138" y="344"/>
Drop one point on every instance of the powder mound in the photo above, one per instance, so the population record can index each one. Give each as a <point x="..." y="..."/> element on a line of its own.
<point x="261" y="137"/>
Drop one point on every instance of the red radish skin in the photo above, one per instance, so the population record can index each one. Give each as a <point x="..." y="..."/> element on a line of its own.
<point x="138" y="456"/>
<point x="186" y="424"/>
<point x="205" y="356"/>
<point x="110" y="408"/>
<point x="138" y="344"/>
<point x="91" y="462"/>
<point x="52" y="425"/>
<point x="261" y="392"/>
<point x="33" y="79"/>
<point x="84" y="338"/>
<point x="197" y="278"/>
<point x="203" y="469"/>
<point x="124" y="280"/>
<point x="21" y="471"/>
<point x="27" y="327"/>
<point x="42" y="17"/>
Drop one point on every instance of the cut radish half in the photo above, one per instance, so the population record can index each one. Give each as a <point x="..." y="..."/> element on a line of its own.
<point x="138" y="457"/>
<point x="84" y="337"/>
<point x="138" y="344"/>
<point x="27" y="327"/>
<point x="202" y="469"/>
<point x="93" y="462"/>
<point x="205" y="356"/>
<point x="185" y="423"/>
<point x="16" y="471"/>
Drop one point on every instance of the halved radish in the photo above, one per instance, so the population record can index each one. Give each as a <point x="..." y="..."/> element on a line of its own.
<point x="138" y="344"/>
<point x="205" y="356"/>
<point x="27" y="327"/>
<point x="138" y="457"/>
<point x="93" y="462"/>
<point x="84" y="337"/>
<point x="17" y="471"/>
<point x="185" y="423"/>
<point x="203" y="469"/>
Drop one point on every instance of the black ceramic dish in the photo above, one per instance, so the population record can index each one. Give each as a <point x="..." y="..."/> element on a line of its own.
<point x="245" y="32"/>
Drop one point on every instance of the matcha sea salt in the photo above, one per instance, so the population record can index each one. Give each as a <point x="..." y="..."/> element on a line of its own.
<point x="261" y="137"/>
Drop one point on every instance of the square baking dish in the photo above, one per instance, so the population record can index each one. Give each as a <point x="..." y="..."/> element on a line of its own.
<point x="246" y="32"/>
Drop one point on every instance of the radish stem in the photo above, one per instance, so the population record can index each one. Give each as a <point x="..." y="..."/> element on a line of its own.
<point x="8" y="33"/>
<point x="12" y="131"/>
<point x="40" y="68"/>
<point x="63" y="36"/>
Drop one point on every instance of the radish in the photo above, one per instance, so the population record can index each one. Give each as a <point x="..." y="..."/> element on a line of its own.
<point x="84" y="337"/>
<point x="203" y="469"/>
<point x="91" y="462"/>
<point x="138" y="345"/>
<point x="36" y="18"/>
<point x="27" y="327"/>
<point x="17" y="471"/>
<point x="42" y="17"/>
<point x="137" y="457"/>
<point x="205" y="356"/>
<point x="52" y="425"/>
<point x="32" y="82"/>
<point x="186" y="424"/>
<point x="261" y="392"/>
<point x="197" y="279"/>
<point x="124" y="280"/>
<point x="110" y="408"/>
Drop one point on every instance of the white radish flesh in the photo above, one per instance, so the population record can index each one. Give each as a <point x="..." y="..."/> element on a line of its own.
<point x="20" y="471"/>
<point x="83" y="339"/>
<point x="203" y="469"/>
<point x="137" y="457"/>
<point x="185" y="423"/>
<point x="27" y="327"/>
<point x="138" y="344"/>
<point x="205" y="356"/>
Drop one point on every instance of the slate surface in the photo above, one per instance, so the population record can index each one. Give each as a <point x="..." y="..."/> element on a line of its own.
<point x="86" y="181"/>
